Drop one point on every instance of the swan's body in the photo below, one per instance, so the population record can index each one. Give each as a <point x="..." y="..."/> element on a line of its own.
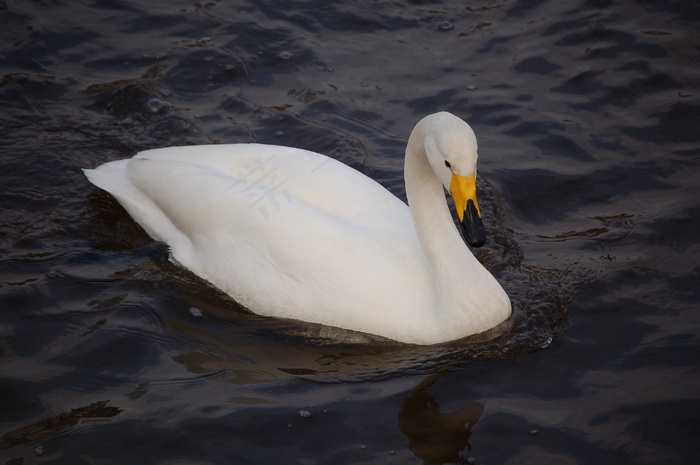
<point x="295" y="234"/>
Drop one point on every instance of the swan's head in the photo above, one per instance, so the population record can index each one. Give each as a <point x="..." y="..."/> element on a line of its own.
<point x="451" y="148"/>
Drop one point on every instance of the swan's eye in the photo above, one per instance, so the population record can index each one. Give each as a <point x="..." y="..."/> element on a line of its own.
<point x="447" y="164"/>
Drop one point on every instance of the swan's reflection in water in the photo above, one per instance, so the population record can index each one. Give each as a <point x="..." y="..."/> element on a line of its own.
<point x="258" y="366"/>
<point x="434" y="437"/>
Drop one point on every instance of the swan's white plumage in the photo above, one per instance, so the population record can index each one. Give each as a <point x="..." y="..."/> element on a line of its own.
<point x="292" y="233"/>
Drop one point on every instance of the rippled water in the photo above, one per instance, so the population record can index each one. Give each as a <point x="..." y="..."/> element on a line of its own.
<point x="587" y="115"/>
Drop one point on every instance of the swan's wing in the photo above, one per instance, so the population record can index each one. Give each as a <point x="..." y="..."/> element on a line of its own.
<point x="283" y="230"/>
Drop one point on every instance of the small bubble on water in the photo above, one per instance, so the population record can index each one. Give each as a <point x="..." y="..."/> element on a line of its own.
<point x="279" y="134"/>
<point x="546" y="343"/>
<point x="39" y="450"/>
<point x="195" y="312"/>
<point x="446" y="26"/>
<point x="304" y="413"/>
<point x="155" y="105"/>
<point x="364" y="84"/>
<point x="471" y="87"/>
<point x="204" y="40"/>
<point x="53" y="274"/>
<point x="534" y="432"/>
<point x="284" y="55"/>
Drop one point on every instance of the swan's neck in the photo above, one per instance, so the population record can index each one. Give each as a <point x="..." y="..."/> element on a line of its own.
<point x="461" y="282"/>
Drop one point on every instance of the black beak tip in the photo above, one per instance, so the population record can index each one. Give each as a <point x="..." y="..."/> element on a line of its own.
<point x="473" y="227"/>
<point x="476" y="242"/>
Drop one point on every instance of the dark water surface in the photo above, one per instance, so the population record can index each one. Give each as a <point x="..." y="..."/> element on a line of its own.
<point x="588" y="119"/>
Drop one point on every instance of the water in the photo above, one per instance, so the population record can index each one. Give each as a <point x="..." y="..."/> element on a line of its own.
<point x="587" y="116"/>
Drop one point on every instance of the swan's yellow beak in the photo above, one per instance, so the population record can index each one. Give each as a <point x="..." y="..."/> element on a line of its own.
<point x="463" y="192"/>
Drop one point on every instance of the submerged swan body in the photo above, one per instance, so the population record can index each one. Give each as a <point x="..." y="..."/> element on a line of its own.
<point x="295" y="234"/>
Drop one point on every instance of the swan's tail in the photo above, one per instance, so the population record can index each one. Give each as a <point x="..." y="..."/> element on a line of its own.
<point x="112" y="178"/>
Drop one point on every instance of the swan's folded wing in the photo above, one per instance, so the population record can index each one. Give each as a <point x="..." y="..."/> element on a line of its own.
<point x="284" y="172"/>
<point x="277" y="253"/>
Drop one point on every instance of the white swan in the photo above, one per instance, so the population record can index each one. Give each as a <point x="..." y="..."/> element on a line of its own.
<point x="295" y="234"/>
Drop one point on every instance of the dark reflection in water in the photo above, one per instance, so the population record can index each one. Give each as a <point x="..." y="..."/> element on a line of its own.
<point x="436" y="437"/>
<point x="587" y="115"/>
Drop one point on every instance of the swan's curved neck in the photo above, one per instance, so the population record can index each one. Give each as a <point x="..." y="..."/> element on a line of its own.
<point x="426" y="198"/>
<point x="454" y="268"/>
